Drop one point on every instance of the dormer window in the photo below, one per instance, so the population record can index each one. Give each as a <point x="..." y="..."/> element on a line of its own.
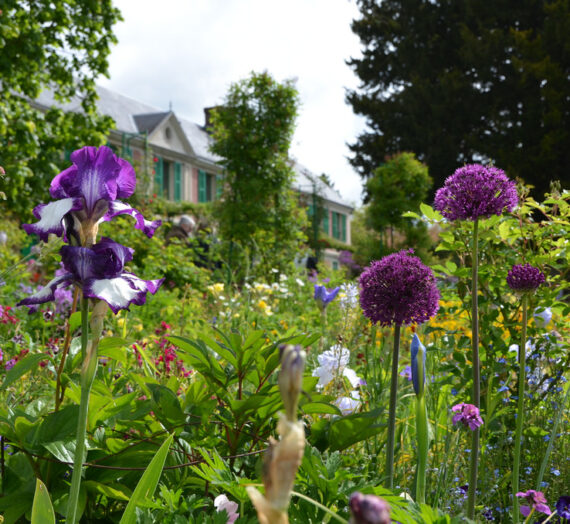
<point x="167" y="133"/>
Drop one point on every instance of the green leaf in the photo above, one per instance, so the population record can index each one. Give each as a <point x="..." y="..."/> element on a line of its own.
<point x="74" y="321"/>
<point x="348" y="430"/>
<point x="42" y="510"/>
<point x="323" y="408"/>
<point x="430" y="212"/>
<point x="28" y="363"/>
<point x="148" y="482"/>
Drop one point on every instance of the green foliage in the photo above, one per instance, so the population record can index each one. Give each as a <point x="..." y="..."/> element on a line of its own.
<point x="460" y="81"/>
<point x="398" y="185"/>
<point x="61" y="45"/>
<point x="42" y="510"/>
<point x="252" y="133"/>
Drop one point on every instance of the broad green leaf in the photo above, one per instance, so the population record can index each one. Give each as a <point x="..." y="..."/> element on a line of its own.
<point x="28" y="363"/>
<point x="430" y="212"/>
<point x="320" y="408"/>
<point x="351" y="429"/>
<point x="108" y="491"/>
<point x="58" y="426"/>
<point x="42" y="510"/>
<point x="74" y="321"/>
<point x="63" y="451"/>
<point x="147" y="484"/>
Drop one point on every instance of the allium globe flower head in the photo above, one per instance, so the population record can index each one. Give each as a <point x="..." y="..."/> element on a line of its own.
<point x="475" y="191"/>
<point x="88" y="194"/>
<point x="368" y="509"/>
<point x="398" y="289"/>
<point x="537" y="501"/>
<point x="468" y="415"/>
<point x="525" y="278"/>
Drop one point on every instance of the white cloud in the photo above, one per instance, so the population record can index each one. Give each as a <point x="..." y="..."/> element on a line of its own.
<point x="188" y="53"/>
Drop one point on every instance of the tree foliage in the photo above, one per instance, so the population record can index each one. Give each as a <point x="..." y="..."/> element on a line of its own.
<point x="466" y="81"/>
<point x="62" y="45"/>
<point x="252" y="132"/>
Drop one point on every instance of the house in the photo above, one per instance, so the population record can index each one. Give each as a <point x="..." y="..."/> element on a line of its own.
<point x="173" y="160"/>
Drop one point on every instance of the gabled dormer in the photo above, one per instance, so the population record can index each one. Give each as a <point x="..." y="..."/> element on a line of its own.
<point x="164" y="130"/>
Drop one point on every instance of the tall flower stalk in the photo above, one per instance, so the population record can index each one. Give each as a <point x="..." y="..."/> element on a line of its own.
<point x="523" y="279"/>
<point x="419" y="380"/>
<point x="473" y="192"/>
<point x="88" y="194"/>
<point x="398" y="289"/>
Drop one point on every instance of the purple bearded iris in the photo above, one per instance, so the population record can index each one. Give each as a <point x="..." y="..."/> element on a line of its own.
<point x="537" y="501"/>
<point x="88" y="193"/>
<point x="99" y="272"/>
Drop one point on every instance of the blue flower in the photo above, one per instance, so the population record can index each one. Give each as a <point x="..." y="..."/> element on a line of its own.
<point x="323" y="296"/>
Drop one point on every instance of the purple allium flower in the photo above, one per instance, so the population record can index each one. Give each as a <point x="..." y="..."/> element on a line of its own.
<point x="398" y="289"/>
<point x="536" y="499"/>
<point x="468" y="415"/>
<point x="88" y="193"/>
<point x="99" y="271"/>
<point x="368" y="509"/>
<point x="323" y="296"/>
<point x="563" y="507"/>
<point x="525" y="277"/>
<point x="475" y="191"/>
<point x="418" y="379"/>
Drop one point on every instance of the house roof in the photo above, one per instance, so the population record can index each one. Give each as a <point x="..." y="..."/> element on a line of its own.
<point x="133" y="116"/>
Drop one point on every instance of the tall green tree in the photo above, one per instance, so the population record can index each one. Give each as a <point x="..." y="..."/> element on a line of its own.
<point x="252" y="132"/>
<point x="62" y="45"/>
<point x="462" y="81"/>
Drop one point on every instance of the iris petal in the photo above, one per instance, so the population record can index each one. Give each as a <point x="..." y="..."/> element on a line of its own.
<point x="51" y="217"/>
<point x="116" y="208"/>
<point x="47" y="293"/>
<point x="122" y="291"/>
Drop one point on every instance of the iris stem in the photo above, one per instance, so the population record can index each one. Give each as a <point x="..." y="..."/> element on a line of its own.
<point x="88" y="369"/>
<point x="422" y="436"/>
<point x="474" y="462"/>
<point x="520" y="411"/>
<point x="392" y="409"/>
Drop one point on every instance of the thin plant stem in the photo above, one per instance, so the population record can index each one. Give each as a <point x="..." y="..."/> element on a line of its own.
<point x="320" y="506"/>
<point x="444" y="474"/>
<point x="82" y="421"/>
<point x="422" y="436"/>
<point x="520" y="411"/>
<point x="553" y="434"/>
<point x="392" y="409"/>
<point x="474" y="462"/>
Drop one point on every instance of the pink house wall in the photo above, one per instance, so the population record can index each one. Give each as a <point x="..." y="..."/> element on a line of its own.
<point x="194" y="184"/>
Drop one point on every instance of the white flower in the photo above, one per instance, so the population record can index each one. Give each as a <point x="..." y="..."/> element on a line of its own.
<point x="333" y="363"/>
<point x="300" y="283"/>
<point x="221" y="502"/>
<point x="514" y="348"/>
<point x="348" y="405"/>
<point x="348" y="295"/>
<point x="542" y="317"/>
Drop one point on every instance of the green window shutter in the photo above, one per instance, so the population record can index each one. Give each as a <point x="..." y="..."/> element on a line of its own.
<point x="219" y="186"/>
<point x="158" y="175"/>
<point x="325" y="222"/>
<point x="335" y="225"/>
<point x="177" y="182"/>
<point x="343" y="223"/>
<point x="202" y="182"/>
<point x="311" y="210"/>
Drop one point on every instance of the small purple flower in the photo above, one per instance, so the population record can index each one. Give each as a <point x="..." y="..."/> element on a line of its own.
<point x="99" y="271"/>
<point x="418" y="379"/>
<point x="368" y="509"/>
<point x="468" y="415"/>
<point x="323" y="296"/>
<point x="475" y="191"/>
<point x="10" y="364"/>
<point x="537" y="501"/>
<point x="525" y="278"/>
<point x="563" y="507"/>
<point x="88" y="193"/>
<point x="399" y="289"/>
<point x="407" y="372"/>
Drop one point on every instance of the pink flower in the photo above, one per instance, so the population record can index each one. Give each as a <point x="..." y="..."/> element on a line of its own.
<point x="221" y="503"/>
<point x="468" y="414"/>
<point x="537" y="501"/>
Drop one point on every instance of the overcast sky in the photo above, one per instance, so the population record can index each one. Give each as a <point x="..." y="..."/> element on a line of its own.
<point x="187" y="53"/>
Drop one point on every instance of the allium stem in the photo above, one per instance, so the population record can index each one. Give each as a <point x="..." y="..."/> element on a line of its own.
<point x="474" y="462"/>
<point x="520" y="410"/>
<point x="392" y="409"/>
